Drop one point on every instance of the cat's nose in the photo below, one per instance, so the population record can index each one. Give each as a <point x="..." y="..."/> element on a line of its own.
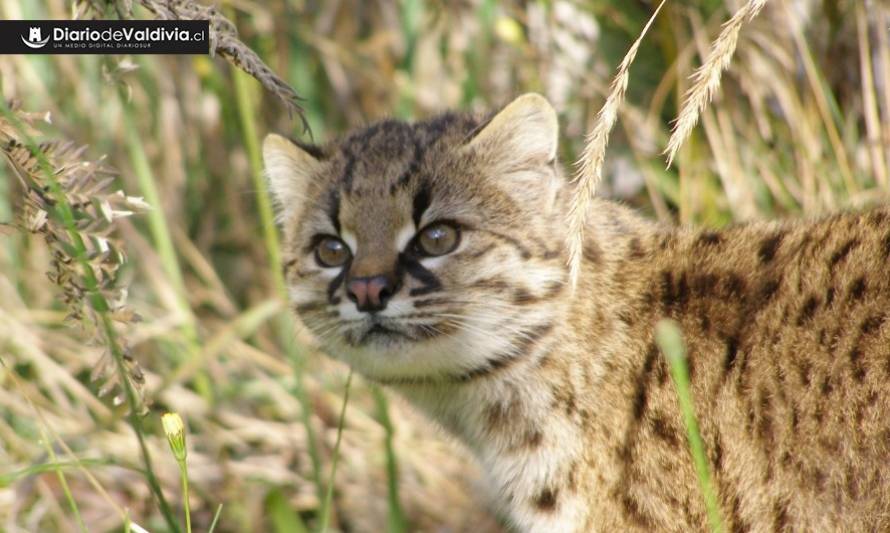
<point x="370" y="293"/>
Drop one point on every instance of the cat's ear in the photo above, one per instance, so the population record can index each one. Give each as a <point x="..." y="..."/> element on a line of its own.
<point x="526" y="131"/>
<point x="289" y="169"/>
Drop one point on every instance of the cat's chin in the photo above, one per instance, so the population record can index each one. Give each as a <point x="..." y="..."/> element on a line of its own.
<point x="394" y="357"/>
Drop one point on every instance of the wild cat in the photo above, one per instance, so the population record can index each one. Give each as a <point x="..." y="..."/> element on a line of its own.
<point x="430" y="257"/>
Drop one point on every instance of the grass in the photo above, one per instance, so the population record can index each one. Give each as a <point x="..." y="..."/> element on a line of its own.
<point x="670" y="341"/>
<point x="796" y="126"/>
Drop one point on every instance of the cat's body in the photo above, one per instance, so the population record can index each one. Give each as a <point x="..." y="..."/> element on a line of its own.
<point x="562" y="395"/>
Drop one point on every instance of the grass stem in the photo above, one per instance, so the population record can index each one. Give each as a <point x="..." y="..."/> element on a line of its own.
<point x="64" y="211"/>
<point x="329" y="495"/>
<point x="670" y="340"/>
<point x="284" y="323"/>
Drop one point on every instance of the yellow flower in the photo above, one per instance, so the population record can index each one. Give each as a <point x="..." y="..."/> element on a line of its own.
<point x="175" y="430"/>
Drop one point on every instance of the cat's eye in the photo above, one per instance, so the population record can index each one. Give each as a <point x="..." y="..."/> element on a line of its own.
<point x="436" y="239"/>
<point x="331" y="252"/>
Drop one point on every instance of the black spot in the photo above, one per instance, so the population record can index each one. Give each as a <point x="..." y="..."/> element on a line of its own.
<point x="662" y="429"/>
<point x="546" y="500"/>
<point x="768" y="247"/>
<point x="634" y="512"/>
<point x="857" y="289"/>
<point x="803" y="370"/>
<point x="871" y="324"/>
<point x="703" y="284"/>
<point x="841" y="253"/>
<point x="635" y="249"/>
<point x="591" y="253"/>
<point x="768" y="290"/>
<point x="829" y="296"/>
<point x="807" y="310"/>
<point x="641" y="393"/>
<point x="732" y="350"/>
<point x="734" y="285"/>
<point x="709" y="238"/>
<point x="780" y="517"/>
<point x="827" y="386"/>
<point x="885" y="246"/>
<point x="674" y="295"/>
<point x="855" y="356"/>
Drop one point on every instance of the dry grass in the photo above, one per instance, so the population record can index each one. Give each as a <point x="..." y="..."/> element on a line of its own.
<point x="590" y="166"/>
<point x="800" y="125"/>
<point x="706" y="79"/>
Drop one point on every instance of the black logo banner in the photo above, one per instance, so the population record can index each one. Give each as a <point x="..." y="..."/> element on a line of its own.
<point x="104" y="37"/>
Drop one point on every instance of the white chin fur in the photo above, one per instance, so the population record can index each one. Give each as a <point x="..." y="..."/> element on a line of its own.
<point x="401" y="358"/>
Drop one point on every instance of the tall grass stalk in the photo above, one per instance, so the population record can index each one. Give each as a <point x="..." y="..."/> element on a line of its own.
<point x="63" y="482"/>
<point x="590" y="165"/>
<point x="283" y="323"/>
<point x="329" y="495"/>
<point x="98" y="302"/>
<point x="670" y="340"/>
<point x="396" y="522"/>
<point x="160" y="233"/>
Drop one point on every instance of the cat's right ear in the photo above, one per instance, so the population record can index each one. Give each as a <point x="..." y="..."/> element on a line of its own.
<point x="289" y="169"/>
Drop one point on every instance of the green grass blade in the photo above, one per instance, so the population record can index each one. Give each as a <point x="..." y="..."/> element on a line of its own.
<point x="670" y="340"/>
<point x="329" y="495"/>
<point x="284" y="323"/>
<point x="215" y="518"/>
<point x="396" y="522"/>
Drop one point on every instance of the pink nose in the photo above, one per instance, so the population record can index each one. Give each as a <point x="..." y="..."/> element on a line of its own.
<point x="369" y="293"/>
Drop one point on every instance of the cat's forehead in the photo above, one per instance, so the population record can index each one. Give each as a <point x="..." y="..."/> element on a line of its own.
<point x="390" y="157"/>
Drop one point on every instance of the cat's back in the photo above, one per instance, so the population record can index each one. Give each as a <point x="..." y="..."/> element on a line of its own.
<point x="788" y="337"/>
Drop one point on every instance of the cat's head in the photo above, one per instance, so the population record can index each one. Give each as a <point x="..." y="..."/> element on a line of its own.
<point x="429" y="250"/>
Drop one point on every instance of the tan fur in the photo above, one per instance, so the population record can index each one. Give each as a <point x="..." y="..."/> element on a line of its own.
<point x="563" y="396"/>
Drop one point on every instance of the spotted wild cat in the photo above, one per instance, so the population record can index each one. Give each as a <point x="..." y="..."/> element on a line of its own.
<point x="430" y="257"/>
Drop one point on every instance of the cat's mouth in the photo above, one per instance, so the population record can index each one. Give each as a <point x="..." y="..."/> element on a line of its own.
<point x="377" y="332"/>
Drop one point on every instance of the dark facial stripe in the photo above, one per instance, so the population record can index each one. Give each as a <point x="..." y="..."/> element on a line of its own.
<point x="335" y="284"/>
<point x="334" y="209"/>
<point x="421" y="203"/>
<point x="413" y="267"/>
<point x="491" y="366"/>
<point x="412" y="169"/>
<point x="348" y="170"/>
<point x="523" y="251"/>
<point x="524" y="348"/>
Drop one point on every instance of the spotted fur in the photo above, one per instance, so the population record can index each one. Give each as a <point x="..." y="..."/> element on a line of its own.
<point x="563" y="396"/>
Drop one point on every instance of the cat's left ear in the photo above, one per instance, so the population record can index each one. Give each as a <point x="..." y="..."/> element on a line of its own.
<point x="526" y="131"/>
<point x="289" y="168"/>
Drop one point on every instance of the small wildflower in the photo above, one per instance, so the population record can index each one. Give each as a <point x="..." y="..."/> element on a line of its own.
<point x="175" y="431"/>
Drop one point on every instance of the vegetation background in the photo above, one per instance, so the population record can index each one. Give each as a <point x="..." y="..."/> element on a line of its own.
<point x="800" y="126"/>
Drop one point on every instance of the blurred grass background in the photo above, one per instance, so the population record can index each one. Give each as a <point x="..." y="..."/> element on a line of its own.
<point x="801" y="127"/>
